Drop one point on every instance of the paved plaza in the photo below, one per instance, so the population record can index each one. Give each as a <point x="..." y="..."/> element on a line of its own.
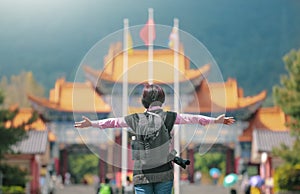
<point x="186" y="188"/>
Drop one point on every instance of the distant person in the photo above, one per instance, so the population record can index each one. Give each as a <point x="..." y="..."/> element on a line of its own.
<point x="215" y="180"/>
<point x="255" y="190"/>
<point x="51" y="184"/>
<point x="247" y="189"/>
<point x="128" y="189"/>
<point x="59" y="182"/>
<point x="197" y="177"/>
<point x="96" y="182"/>
<point x="105" y="188"/>
<point x="245" y="185"/>
<point x="67" y="178"/>
<point x="153" y="168"/>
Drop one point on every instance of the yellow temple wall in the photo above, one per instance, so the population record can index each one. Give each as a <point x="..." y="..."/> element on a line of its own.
<point x="66" y="97"/>
<point x="163" y="63"/>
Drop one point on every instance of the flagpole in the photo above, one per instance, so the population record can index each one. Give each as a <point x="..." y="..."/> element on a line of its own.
<point x="150" y="46"/>
<point x="176" y="106"/>
<point x="125" y="102"/>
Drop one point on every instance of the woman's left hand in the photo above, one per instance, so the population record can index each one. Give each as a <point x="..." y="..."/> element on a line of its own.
<point x="86" y="122"/>
<point x="225" y="120"/>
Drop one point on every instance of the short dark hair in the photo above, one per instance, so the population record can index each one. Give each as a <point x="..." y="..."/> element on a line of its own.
<point x="152" y="93"/>
<point x="106" y="180"/>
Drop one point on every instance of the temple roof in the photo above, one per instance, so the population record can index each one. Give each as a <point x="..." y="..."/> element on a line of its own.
<point x="72" y="97"/>
<point x="218" y="97"/>
<point x="266" y="140"/>
<point x="163" y="73"/>
<point x="266" y="118"/>
<point x="24" y="115"/>
<point x="163" y="62"/>
<point x="35" y="143"/>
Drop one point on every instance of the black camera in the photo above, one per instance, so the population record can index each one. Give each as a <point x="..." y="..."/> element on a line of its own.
<point x="177" y="160"/>
<point x="181" y="162"/>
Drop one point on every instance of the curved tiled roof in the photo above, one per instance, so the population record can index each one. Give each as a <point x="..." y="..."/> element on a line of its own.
<point x="23" y="116"/>
<point x="266" y="140"/>
<point x="163" y="63"/>
<point x="163" y="73"/>
<point x="35" y="143"/>
<point x="227" y="96"/>
<point x="72" y="97"/>
<point x="266" y="118"/>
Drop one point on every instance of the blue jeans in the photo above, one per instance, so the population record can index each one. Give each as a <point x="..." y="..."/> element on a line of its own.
<point x="154" y="188"/>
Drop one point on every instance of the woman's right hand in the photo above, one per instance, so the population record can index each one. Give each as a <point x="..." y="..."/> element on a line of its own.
<point x="86" y="122"/>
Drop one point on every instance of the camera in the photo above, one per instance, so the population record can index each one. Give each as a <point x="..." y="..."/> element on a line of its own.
<point x="181" y="162"/>
<point x="177" y="160"/>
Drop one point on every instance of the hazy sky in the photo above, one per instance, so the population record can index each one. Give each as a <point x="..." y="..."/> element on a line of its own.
<point x="56" y="34"/>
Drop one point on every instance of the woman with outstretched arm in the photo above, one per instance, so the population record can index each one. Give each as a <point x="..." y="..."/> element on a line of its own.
<point x="159" y="179"/>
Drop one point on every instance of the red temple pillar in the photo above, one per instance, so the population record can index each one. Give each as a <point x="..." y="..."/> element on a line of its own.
<point x="269" y="167"/>
<point x="102" y="164"/>
<point x="269" y="174"/>
<point x="117" y="152"/>
<point x="34" y="184"/>
<point x="229" y="160"/>
<point x="191" y="169"/>
<point x="64" y="163"/>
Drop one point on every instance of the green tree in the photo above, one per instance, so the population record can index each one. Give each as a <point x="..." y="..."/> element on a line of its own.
<point x="287" y="97"/>
<point x="18" y="87"/>
<point x="14" y="178"/>
<point x="205" y="162"/>
<point x="82" y="164"/>
<point x="10" y="133"/>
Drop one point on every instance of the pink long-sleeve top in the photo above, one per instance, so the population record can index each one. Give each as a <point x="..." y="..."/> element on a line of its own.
<point x="180" y="119"/>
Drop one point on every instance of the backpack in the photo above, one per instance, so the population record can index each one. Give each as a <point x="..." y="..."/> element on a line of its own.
<point x="151" y="141"/>
<point x="104" y="189"/>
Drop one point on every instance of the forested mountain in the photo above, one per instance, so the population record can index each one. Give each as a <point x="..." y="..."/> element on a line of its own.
<point x="247" y="38"/>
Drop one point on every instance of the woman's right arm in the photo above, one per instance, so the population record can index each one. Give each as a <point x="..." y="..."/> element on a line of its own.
<point x="102" y="124"/>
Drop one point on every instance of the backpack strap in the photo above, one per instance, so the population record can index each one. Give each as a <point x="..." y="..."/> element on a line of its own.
<point x="170" y="120"/>
<point x="168" y="117"/>
<point x="141" y="119"/>
<point x="161" y="117"/>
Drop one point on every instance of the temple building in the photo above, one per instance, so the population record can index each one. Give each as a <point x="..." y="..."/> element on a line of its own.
<point x="61" y="106"/>
<point x="59" y="113"/>
<point x="32" y="153"/>
<point x="265" y="131"/>
<point x="225" y="97"/>
<point x="109" y="80"/>
<point x="69" y="101"/>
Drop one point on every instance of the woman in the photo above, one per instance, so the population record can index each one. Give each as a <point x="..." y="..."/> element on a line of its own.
<point x="157" y="180"/>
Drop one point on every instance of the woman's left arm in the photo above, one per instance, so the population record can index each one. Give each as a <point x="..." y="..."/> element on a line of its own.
<point x="203" y="120"/>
